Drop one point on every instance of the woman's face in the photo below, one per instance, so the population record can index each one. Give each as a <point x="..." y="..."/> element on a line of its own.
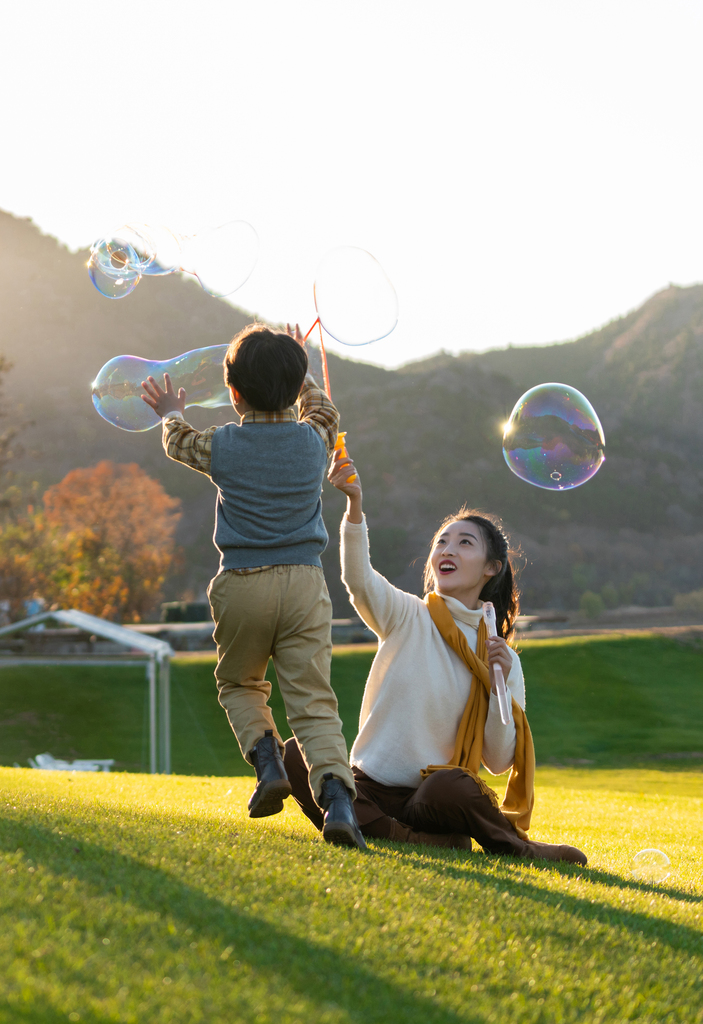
<point x="459" y="562"/>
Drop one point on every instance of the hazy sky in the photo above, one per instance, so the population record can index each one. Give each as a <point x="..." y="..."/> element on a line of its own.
<point x="523" y="171"/>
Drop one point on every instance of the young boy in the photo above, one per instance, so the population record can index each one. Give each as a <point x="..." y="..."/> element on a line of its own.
<point x="269" y="598"/>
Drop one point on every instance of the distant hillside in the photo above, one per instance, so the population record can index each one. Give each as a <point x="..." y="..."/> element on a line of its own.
<point x="58" y="331"/>
<point x="426" y="437"/>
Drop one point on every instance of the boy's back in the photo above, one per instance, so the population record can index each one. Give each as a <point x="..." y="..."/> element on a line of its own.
<point x="269" y="506"/>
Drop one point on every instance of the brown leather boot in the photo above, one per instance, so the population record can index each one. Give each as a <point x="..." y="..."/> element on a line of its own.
<point x="456" y="798"/>
<point x="272" y="782"/>
<point x="402" y="834"/>
<point x="552" y="851"/>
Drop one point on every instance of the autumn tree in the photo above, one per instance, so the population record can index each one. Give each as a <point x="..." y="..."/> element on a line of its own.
<point x="121" y="524"/>
<point x="103" y="544"/>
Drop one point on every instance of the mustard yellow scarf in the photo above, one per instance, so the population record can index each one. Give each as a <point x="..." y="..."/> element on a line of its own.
<point x="520" y="792"/>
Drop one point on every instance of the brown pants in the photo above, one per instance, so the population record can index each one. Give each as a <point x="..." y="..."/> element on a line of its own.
<point x="283" y="613"/>
<point x="446" y="802"/>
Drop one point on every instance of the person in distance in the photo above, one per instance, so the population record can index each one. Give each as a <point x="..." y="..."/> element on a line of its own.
<point x="430" y="714"/>
<point x="269" y="598"/>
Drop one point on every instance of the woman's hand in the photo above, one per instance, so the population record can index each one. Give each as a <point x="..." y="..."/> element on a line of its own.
<point x="343" y="475"/>
<point x="498" y="654"/>
<point x="341" y="470"/>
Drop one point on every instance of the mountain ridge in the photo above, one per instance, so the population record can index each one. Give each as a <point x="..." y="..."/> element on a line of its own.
<point x="426" y="437"/>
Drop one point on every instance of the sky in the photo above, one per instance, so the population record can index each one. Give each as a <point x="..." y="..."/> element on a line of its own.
<point x="523" y="172"/>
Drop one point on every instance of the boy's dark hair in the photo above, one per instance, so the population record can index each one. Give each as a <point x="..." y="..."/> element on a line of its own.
<point x="501" y="589"/>
<point x="266" y="367"/>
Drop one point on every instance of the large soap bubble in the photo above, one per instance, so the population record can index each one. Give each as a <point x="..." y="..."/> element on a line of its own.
<point x="222" y="258"/>
<point x="553" y="438"/>
<point x="650" y="866"/>
<point x="167" y="247"/>
<point x="355" y="300"/>
<point x="117" y="389"/>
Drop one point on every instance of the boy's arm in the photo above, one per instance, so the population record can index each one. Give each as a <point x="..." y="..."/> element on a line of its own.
<point x="181" y="442"/>
<point x="185" y="444"/>
<point x="315" y="408"/>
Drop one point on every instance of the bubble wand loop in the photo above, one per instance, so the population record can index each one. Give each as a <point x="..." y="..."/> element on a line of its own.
<point x="506" y="711"/>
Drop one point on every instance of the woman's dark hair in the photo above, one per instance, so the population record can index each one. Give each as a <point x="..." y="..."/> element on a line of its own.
<point x="266" y="367"/>
<point x="501" y="589"/>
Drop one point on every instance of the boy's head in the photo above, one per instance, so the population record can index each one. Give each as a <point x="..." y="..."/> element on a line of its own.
<point x="266" y="367"/>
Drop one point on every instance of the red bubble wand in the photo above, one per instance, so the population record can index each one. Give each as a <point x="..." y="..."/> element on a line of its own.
<point x="323" y="357"/>
<point x="339" y="443"/>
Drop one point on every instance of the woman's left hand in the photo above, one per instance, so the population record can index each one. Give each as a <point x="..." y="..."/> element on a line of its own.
<point x="499" y="654"/>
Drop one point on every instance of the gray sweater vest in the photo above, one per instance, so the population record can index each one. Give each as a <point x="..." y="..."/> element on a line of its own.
<point x="269" y="494"/>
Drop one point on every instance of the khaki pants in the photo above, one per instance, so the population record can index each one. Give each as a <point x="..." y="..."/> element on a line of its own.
<point x="284" y="613"/>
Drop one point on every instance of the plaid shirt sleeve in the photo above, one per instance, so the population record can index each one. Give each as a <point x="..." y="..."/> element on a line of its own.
<point x="315" y="408"/>
<point x="185" y="444"/>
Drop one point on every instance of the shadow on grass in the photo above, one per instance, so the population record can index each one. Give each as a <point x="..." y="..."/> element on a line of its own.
<point x="317" y="973"/>
<point x="566" y="870"/>
<point x="676" y="936"/>
<point x="41" y="1011"/>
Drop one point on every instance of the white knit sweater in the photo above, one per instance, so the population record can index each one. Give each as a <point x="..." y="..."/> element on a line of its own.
<point x="417" y="687"/>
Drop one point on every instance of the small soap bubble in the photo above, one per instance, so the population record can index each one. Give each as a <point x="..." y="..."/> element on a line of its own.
<point x="113" y="268"/>
<point x="650" y="866"/>
<point x="355" y="300"/>
<point x="117" y="389"/>
<point x="222" y="258"/>
<point x="553" y="438"/>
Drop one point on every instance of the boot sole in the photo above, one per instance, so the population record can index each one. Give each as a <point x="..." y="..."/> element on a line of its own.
<point x="341" y="834"/>
<point x="270" y="800"/>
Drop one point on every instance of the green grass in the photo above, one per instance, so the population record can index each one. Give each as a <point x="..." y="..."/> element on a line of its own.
<point x="103" y="712"/>
<point x="133" y="898"/>
<point x="612" y="700"/>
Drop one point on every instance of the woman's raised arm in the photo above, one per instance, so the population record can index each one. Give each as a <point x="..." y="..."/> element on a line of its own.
<point x="381" y="605"/>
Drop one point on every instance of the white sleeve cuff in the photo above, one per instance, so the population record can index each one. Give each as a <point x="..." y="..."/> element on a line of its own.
<point x="175" y="414"/>
<point x="348" y="527"/>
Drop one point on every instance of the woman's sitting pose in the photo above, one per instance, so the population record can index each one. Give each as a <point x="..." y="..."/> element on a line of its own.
<point x="430" y="714"/>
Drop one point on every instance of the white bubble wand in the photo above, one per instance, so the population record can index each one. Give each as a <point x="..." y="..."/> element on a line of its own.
<point x="504" y="703"/>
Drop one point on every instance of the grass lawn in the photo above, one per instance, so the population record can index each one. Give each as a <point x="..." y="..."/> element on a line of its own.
<point x="612" y="700"/>
<point x="136" y="898"/>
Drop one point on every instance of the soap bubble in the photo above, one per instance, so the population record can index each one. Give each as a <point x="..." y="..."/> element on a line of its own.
<point x="167" y="247"/>
<point x="553" y="438"/>
<point x="222" y="258"/>
<point x="355" y="301"/>
<point x="651" y="866"/>
<point x="113" y="267"/>
<point x="136" y="239"/>
<point x="117" y="389"/>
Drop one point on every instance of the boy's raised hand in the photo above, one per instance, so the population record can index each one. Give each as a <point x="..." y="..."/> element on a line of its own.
<point x="296" y="334"/>
<point x="341" y="469"/>
<point x="163" y="401"/>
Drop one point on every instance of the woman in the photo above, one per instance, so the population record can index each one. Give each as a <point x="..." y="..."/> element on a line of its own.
<point x="430" y="713"/>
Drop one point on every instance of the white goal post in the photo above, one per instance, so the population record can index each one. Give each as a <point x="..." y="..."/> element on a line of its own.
<point x="141" y="650"/>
